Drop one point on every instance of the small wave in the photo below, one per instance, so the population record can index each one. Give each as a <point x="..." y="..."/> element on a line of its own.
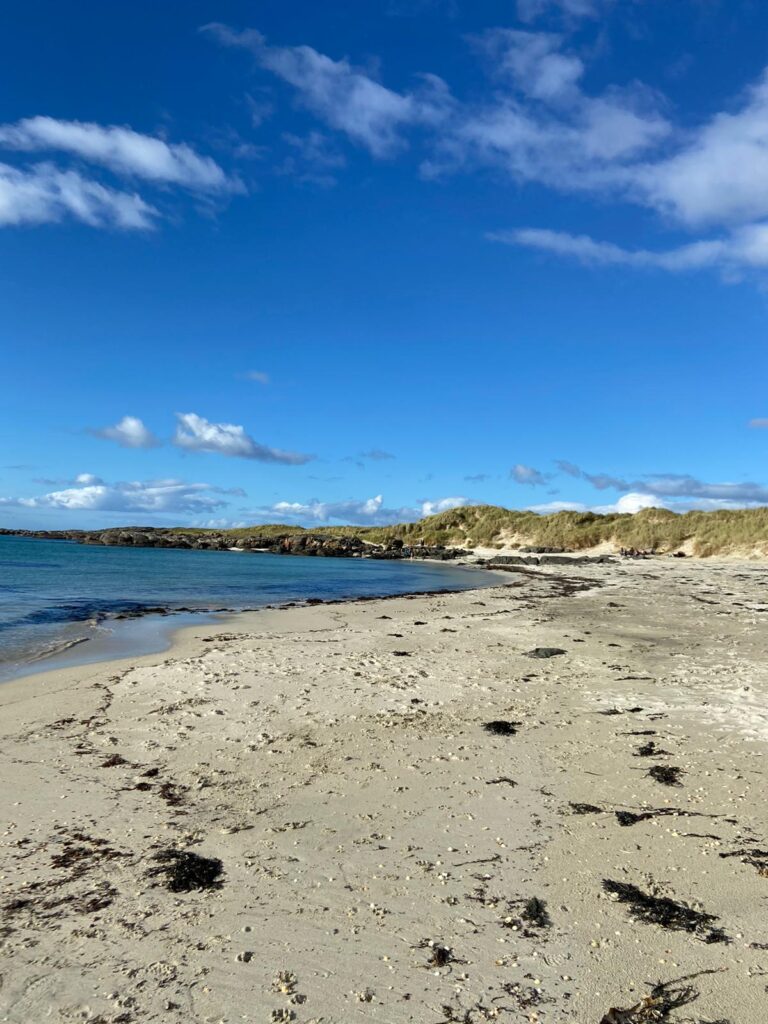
<point x="58" y="648"/>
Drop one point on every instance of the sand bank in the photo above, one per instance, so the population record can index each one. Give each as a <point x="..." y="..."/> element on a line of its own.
<point x="372" y="850"/>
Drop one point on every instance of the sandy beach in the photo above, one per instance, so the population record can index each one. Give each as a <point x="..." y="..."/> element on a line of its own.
<point x="533" y="802"/>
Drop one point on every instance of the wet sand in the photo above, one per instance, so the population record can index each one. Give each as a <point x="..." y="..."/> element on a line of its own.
<point x="403" y="815"/>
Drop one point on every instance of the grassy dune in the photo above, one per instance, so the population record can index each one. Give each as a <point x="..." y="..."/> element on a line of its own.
<point x="743" y="531"/>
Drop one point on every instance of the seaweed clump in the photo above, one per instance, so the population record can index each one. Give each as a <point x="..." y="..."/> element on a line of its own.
<point x="665" y="997"/>
<point x="501" y="728"/>
<point x="666" y="774"/>
<point x="578" y="808"/>
<point x="664" y="911"/>
<point x="185" y="871"/>
<point x="535" y="913"/>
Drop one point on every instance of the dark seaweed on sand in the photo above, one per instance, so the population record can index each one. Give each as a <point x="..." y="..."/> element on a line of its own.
<point x="665" y="997"/>
<point x="664" y="911"/>
<point x="666" y="774"/>
<point x="185" y="871"/>
<point x="585" y="808"/>
<point x="501" y="728"/>
<point x="650" y="749"/>
<point x="535" y="913"/>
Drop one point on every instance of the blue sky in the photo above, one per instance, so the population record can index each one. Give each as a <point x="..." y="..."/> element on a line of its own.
<point x="357" y="262"/>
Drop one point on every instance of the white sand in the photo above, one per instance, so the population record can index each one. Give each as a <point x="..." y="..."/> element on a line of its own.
<point x="361" y="811"/>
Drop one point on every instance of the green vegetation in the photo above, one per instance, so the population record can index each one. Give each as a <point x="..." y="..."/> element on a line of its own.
<point x="702" y="533"/>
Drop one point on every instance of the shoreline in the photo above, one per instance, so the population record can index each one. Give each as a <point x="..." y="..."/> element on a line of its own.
<point x="416" y="815"/>
<point x="160" y="638"/>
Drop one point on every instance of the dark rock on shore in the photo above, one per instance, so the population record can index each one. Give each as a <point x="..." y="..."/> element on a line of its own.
<point x="500" y="561"/>
<point x="305" y="543"/>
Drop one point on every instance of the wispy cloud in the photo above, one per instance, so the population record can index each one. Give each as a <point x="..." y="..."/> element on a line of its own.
<point x="539" y="124"/>
<point x="120" y="149"/>
<point x="129" y="432"/>
<point x="540" y="121"/>
<point x="530" y="10"/>
<point x="759" y="423"/>
<point x="194" y="433"/>
<point x="45" y="194"/>
<point x="344" y="97"/>
<point x="744" y="249"/>
<point x="673" y="485"/>
<point x="528" y="475"/>
<point x="377" y="455"/>
<point x="258" y="376"/>
<point x="715" y="177"/>
<point x="313" y="159"/>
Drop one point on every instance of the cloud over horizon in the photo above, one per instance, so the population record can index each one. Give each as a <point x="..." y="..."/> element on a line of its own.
<point x="358" y="512"/>
<point x="673" y="485"/>
<point x="90" y="494"/>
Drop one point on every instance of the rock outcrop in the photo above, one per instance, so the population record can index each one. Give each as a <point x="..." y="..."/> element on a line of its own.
<point x="304" y="543"/>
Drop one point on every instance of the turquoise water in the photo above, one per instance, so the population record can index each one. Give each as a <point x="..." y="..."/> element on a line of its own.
<point x="57" y="595"/>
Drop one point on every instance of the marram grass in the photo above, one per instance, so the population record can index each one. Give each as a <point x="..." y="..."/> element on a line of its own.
<point x="702" y="533"/>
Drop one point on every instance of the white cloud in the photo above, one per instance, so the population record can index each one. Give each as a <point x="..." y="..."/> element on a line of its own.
<point x="344" y="97"/>
<point x="743" y="251"/>
<point x="540" y="122"/>
<point x="44" y="194"/>
<point x="153" y="496"/>
<point x="194" y="433"/>
<point x="541" y="125"/>
<point x="129" y="432"/>
<point x="759" y="423"/>
<point x="549" y="507"/>
<point x="258" y="376"/>
<point x="633" y="502"/>
<point x="122" y="150"/>
<point x="721" y="174"/>
<point x="532" y="63"/>
<point x="432" y="508"/>
<point x="527" y="475"/>
<point x="368" y="511"/>
<point x="360" y="512"/>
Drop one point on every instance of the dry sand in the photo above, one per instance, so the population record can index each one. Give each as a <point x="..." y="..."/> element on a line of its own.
<point x="380" y="848"/>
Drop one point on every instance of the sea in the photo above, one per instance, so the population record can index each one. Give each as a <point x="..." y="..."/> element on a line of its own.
<point x="63" y="603"/>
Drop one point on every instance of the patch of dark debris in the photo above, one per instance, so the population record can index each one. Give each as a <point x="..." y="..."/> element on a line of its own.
<point x="185" y="871"/>
<point x="79" y="856"/>
<point x="650" y="749"/>
<point x="577" y="808"/>
<point x="500" y="727"/>
<point x="666" y="774"/>
<point x="755" y="858"/>
<point x="527" y="916"/>
<point x="664" y="998"/>
<point x="666" y="912"/>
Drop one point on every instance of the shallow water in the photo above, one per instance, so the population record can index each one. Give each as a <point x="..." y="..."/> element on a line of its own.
<point x="58" y="596"/>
